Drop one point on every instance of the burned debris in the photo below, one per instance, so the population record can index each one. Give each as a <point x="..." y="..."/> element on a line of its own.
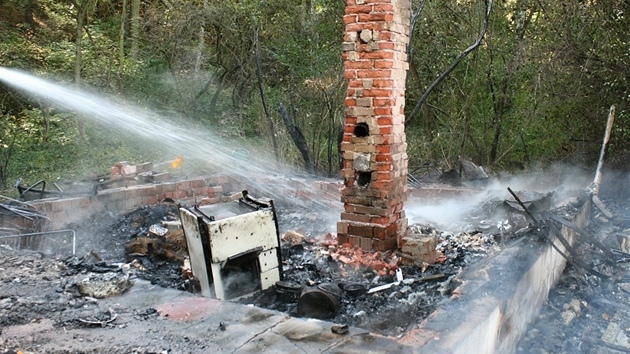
<point x="386" y="292"/>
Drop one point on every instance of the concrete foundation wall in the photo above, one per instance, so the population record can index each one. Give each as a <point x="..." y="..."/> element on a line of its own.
<point x="490" y="311"/>
<point x="202" y="191"/>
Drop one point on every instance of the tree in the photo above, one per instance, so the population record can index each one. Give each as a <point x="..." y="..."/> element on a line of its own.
<point x="135" y="29"/>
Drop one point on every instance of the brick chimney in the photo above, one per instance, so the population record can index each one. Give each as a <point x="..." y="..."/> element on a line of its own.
<point x="374" y="146"/>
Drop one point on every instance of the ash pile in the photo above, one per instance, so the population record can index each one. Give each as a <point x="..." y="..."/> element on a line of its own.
<point x="383" y="292"/>
<point x="391" y="292"/>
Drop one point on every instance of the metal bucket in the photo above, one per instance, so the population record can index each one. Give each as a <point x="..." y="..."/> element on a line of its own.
<point x="321" y="302"/>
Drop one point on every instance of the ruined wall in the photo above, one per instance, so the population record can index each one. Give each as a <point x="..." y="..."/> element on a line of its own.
<point x="201" y="191"/>
<point x="62" y="212"/>
<point x="374" y="145"/>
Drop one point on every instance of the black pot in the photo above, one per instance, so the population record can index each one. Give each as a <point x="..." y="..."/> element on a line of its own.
<point x="288" y="292"/>
<point x="353" y="289"/>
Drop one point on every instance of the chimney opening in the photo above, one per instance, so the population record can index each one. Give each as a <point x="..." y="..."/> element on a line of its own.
<point x="361" y="130"/>
<point x="364" y="178"/>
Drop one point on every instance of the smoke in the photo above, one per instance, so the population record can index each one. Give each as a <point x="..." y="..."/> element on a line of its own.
<point x="450" y="213"/>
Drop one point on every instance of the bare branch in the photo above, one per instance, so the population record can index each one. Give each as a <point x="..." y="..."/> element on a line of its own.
<point x="412" y="25"/>
<point x="450" y="69"/>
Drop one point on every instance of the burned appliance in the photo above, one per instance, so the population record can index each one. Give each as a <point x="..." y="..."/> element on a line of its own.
<point x="234" y="247"/>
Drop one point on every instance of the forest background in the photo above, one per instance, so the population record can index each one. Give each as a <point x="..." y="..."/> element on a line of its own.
<point x="536" y="90"/>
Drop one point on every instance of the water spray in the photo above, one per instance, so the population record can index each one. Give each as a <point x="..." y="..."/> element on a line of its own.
<point x="198" y="144"/>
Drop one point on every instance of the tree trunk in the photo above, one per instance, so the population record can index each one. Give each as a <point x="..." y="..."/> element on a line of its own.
<point x="121" y="40"/>
<point x="78" y="43"/>
<point x="272" y="129"/>
<point x="202" y="38"/>
<point x="78" y="62"/>
<point x="28" y="14"/>
<point x="298" y="139"/>
<point x="46" y="115"/>
<point x="5" y="152"/>
<point x="135" y="29"/>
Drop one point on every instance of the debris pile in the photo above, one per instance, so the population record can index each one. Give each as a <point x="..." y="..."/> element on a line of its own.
<point x="587" y="313"/>
<point x="383" y="292"/>
<point x="380" y="291"/>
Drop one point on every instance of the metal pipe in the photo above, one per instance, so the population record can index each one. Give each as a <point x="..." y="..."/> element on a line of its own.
<point x="10" y="229"/>
<point x="13" y="200"/>
<point x="74" y="236"/>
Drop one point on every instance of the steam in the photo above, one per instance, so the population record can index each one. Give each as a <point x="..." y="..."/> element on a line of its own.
<point x="449" y="213"/>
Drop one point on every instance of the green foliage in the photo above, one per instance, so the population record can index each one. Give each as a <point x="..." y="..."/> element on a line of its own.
<point x="538" y="90"/>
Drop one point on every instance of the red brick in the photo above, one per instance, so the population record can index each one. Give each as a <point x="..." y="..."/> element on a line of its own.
<point x="364" y="243"/>
<point x="350" y="18"/>
<point x="383" y="149"/>
<point x="182" y="185"/>
<point x="383" y="158"/>
<point x="387" y="121"/>
<point x="380" y="7"/>
<point x="380" y="83"/>
<point x="361" y="230"/>
<point x="385" y="245"/>
<point x="383" y="101"/>
<point x="374" y="211"/>
<point x="377" y="55"/>
<point x="355" y="83"/>
<point x="198" y="183"/>
<point x="342" y="227"/>
<point x="376" y="17"/>
<point x="386" y="46"/>
<point x="385" y="130"/>
<point x="359" y="64"/>
<point x="179" y="194"/>
<point x="385" y="36"/>
<point x="358" y="9"/>
<point x="374" y="74"/>
<point x="384" y="64"/>
<point x="150" y="200"/>
<point x="382" y="184"/>
<point x="342" y="238"/>
<point x="383" y="111"/>
<point x="353" y="26"/>
<point x="383" y="167"/>
<point x="350" y="74"/>
<point x="377" y="92"/>
<point x="355" y="218"/>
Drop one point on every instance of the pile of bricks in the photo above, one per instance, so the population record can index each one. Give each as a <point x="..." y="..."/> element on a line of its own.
<point x="143" y="173"/>
<point x="355" y="258"/>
